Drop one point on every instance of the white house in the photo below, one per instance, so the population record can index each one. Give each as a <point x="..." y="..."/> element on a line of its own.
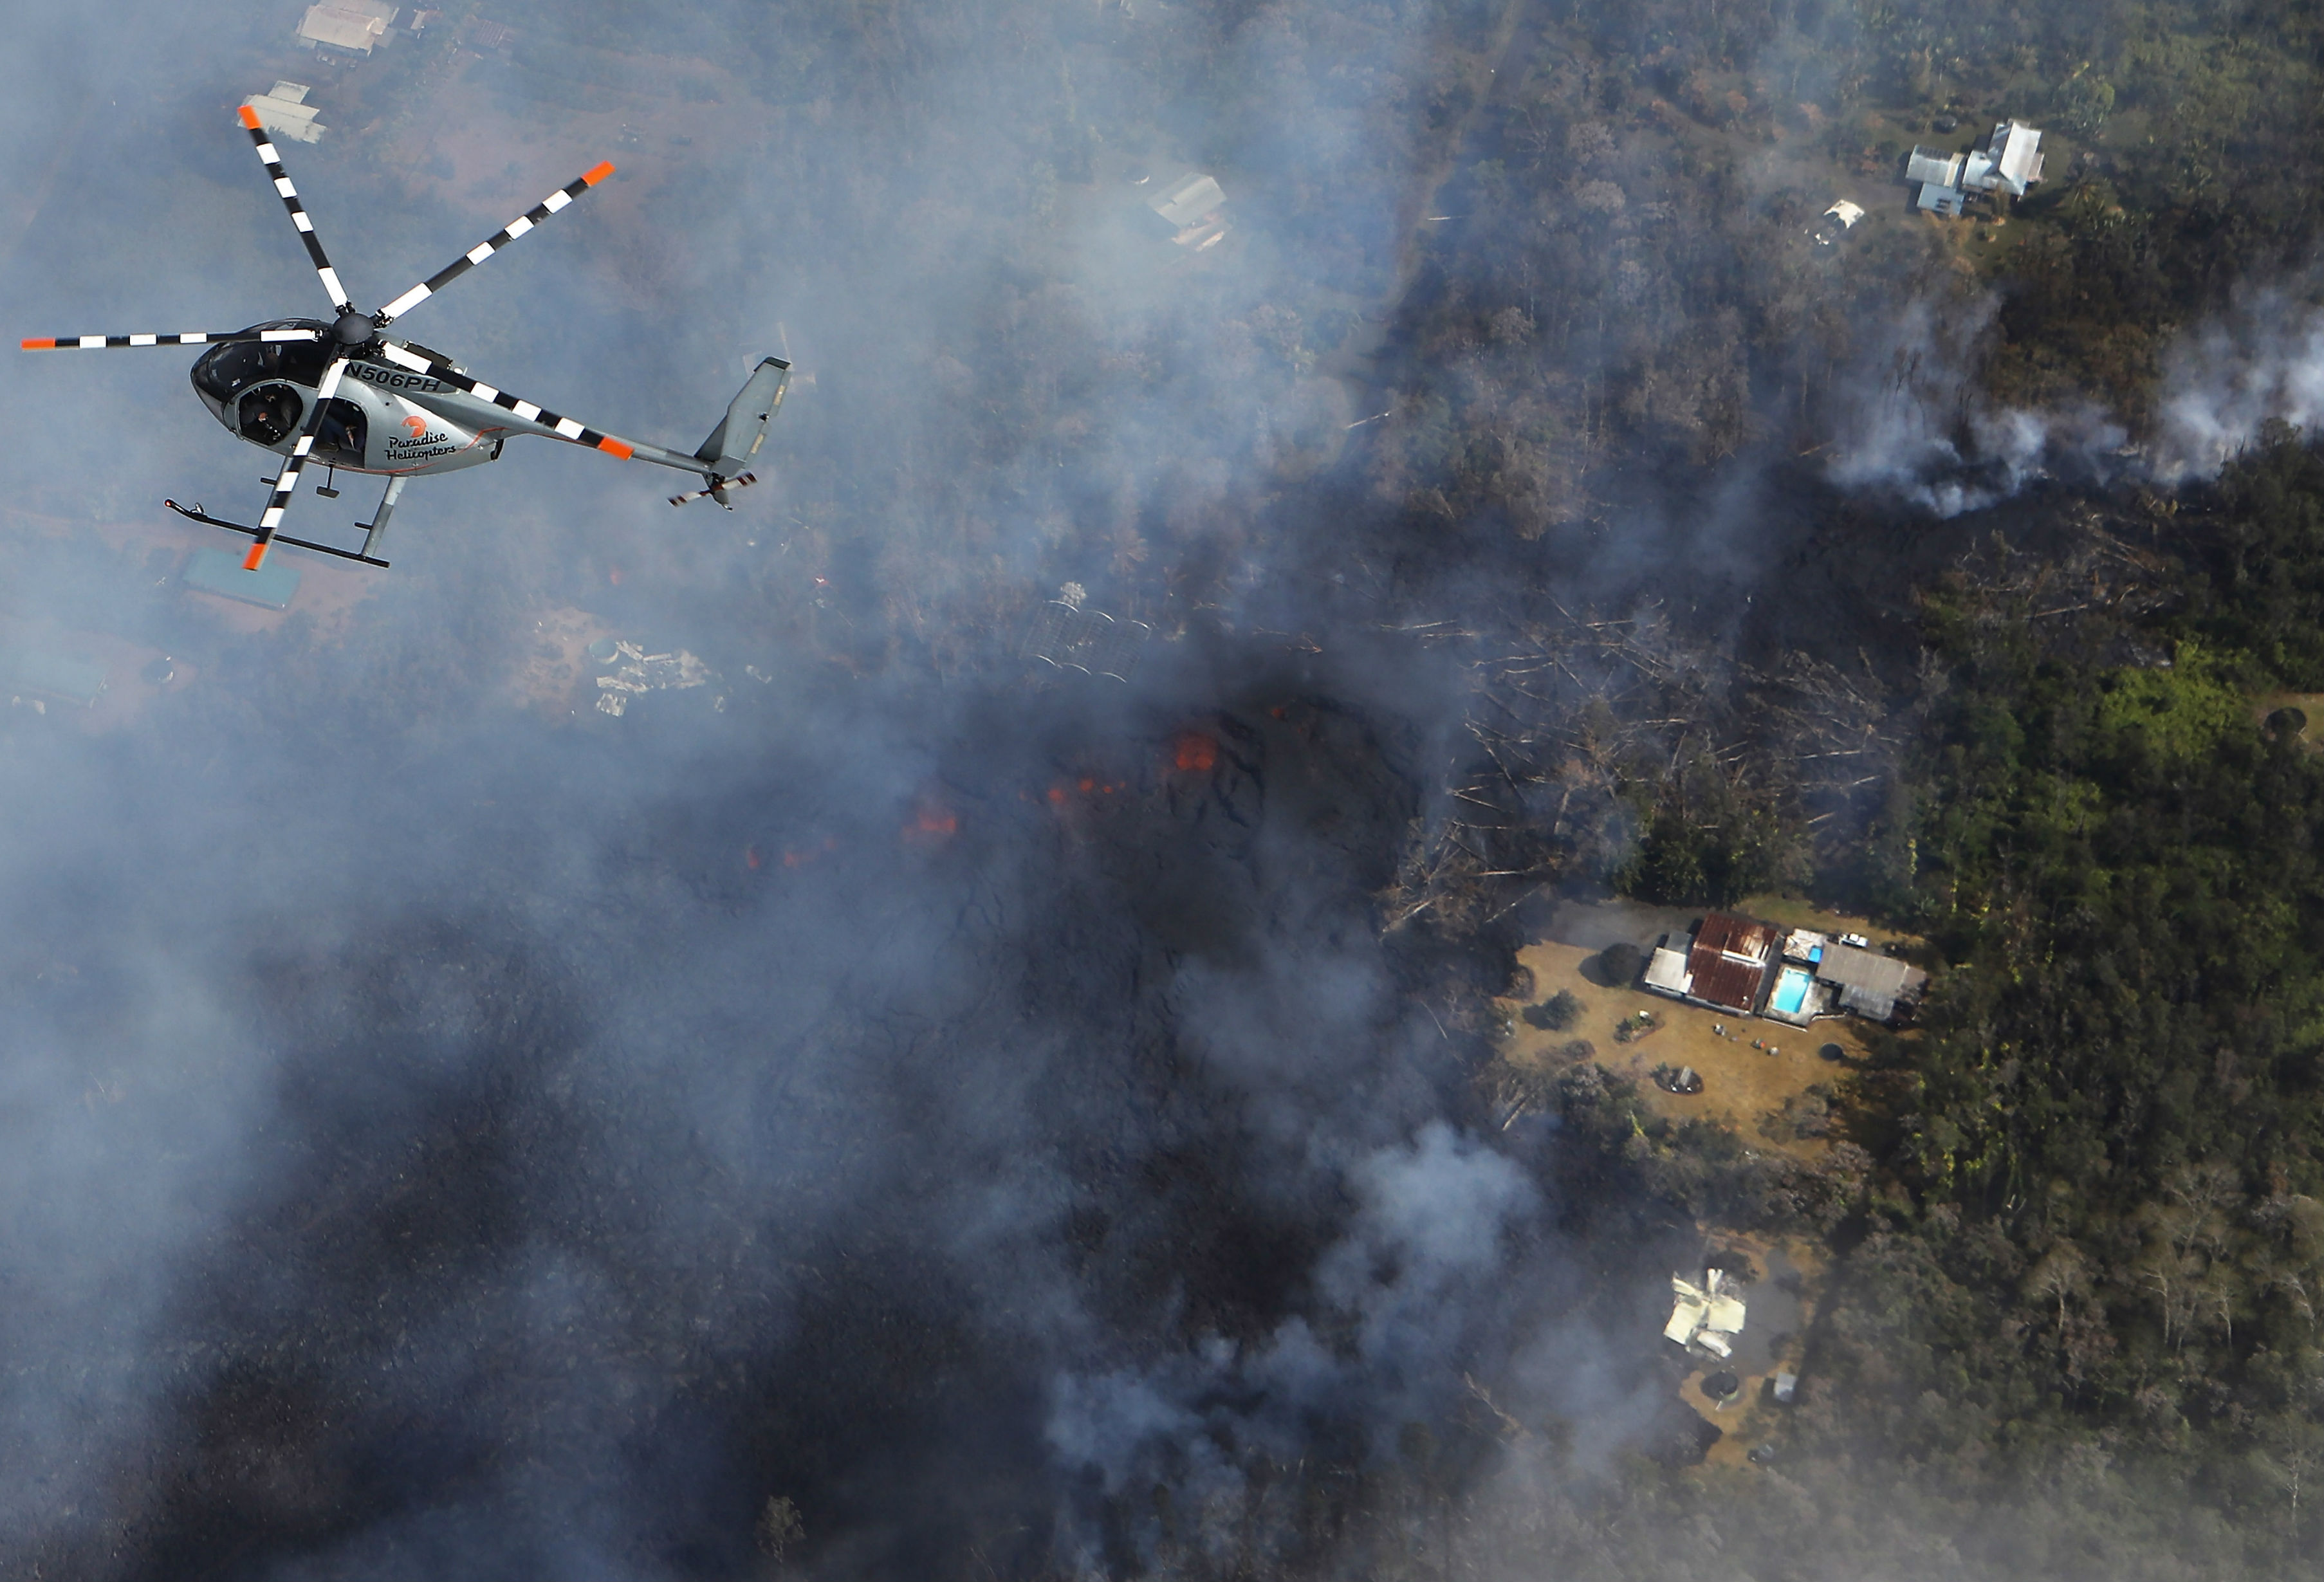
<point x="2010" y="162"/>
<point x="284" y="111"/>
<point x="353" y="27"/>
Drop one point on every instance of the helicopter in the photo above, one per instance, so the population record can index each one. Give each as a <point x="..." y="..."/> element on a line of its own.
<point x="344" y="393"/>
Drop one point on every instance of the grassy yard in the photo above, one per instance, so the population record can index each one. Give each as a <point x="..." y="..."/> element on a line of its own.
<point x="1750" y="1067"/>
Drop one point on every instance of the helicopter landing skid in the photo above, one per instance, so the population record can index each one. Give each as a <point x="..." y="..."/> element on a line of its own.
<point x="195" y="513"/>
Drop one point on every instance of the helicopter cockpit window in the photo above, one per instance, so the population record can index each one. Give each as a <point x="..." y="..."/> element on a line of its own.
<point x="270" y="414"/>
<point x="224" y="371"/>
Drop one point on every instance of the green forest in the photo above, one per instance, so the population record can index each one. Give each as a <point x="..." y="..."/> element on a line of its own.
<point x="2079" y="1214"/>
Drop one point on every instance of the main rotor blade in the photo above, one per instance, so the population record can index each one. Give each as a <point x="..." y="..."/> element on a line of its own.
<point x="507" y="233"/>
<point x="189" y="338"/>
<point x="286" y="483"/>
<point x="289" y="196"/>
<point x="566" y="428"/>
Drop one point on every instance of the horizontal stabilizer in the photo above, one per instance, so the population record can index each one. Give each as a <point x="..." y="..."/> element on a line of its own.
<point x="735" y="441"/>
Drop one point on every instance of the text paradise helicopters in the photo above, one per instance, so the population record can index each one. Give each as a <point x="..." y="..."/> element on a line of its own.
<point x="344" y="393"/>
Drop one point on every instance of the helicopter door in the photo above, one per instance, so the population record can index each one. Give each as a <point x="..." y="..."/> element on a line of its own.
<point x="340" y="439"/>
<point x="270" y="414"/>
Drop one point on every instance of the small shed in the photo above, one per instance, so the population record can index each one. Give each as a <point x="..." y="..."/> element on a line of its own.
<point x="1836" y="222"/>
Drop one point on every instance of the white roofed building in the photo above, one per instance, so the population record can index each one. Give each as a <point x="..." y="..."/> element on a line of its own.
<point x="1666" y="971"/>
<point x="1191" y="207"/>
<point x="1709" y="1315"/>
<point x="2010" y="162"/>
<point x="1869" y="983"/>
<point x="355" y="27"/>
<point x="2016" y="158"/>
<point x="284" y="111"/>
<point x="1836" y="222"/>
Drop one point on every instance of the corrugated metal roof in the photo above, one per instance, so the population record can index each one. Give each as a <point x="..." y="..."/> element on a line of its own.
<point x="1869" y="984"/>
<point x="1731" y="960"/>
<point x="1188" y="199"/>
<point x="1666" y="971"/>
<point x="343" y="27"/>
<point x="2017" y="155"/>
<point x="1724" y="981"/>
<point x="1847" y="966"/>
<point x="1736" y="936"/>
<point x="288" y="113"/>
<point x="1932" y="165"/>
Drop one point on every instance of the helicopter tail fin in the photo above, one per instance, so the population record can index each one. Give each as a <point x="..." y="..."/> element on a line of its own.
<point x="732" y="446"/>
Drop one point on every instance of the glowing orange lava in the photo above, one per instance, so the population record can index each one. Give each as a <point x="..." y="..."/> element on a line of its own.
<point x="800" y="858"/>
<point x="933" y="823"/>
<point x="1195" y="753"/>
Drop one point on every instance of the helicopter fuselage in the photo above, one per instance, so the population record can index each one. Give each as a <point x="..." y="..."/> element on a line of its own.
<point x="383" y="419"/>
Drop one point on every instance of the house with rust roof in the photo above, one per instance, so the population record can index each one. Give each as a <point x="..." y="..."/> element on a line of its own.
<point x="1726" y="965"/>
<point x="1755" y="968"/>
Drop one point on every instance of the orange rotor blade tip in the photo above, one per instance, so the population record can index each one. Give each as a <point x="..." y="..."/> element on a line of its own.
<point x="604" y="168"/>
<point x="252" y="561"/>
<point x="250" y="117"/>
<point x="621" y="448"/>
<point x="41" y="343"/>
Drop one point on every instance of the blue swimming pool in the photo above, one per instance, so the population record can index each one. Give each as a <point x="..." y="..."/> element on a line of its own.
<point x="1791" y="991"/>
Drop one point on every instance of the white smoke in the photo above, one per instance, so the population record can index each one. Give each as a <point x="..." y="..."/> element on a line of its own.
<point x="2264" y="363"/>
<point x="1430" y="1231"/>
<point x="1921" y="429"/>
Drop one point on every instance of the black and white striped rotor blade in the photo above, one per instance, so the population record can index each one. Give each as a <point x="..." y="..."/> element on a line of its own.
<point x="527" y="221"/>
<point x="717" y="492"/>
<point x="286" y="483"/>
<point x="289" y="196"/>
<point x="187" y="338"/>
<point x="564" y="428"/>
